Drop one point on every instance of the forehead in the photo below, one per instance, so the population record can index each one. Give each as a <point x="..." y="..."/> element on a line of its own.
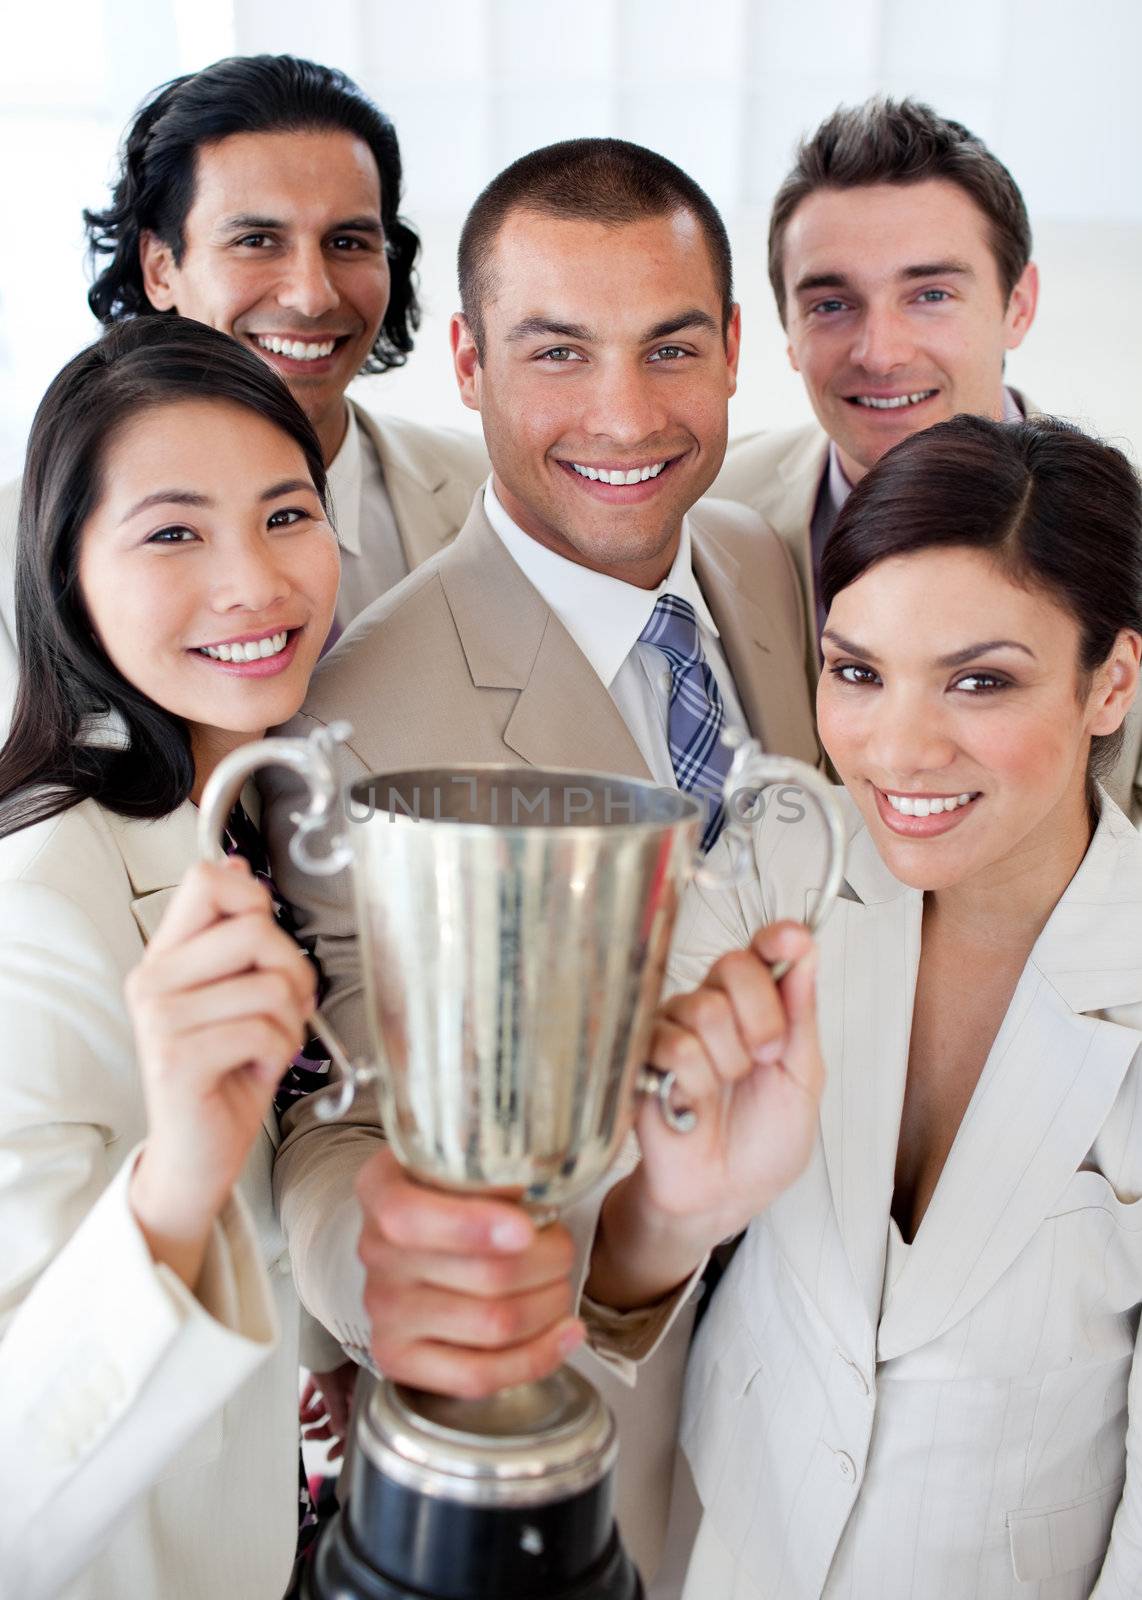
<point x="893" y="608"/>
<point x="319" y="174"/>
<point x="187" y="443"/>
<point x="878" y="229"/>
<point x="629" y="275"/>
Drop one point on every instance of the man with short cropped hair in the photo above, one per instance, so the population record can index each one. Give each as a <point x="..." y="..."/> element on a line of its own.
<point x="594" y="613"/>
<point x="261" y="196"/>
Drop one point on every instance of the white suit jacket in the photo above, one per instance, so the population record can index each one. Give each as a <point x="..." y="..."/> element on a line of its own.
<point x="978" y="1436"/>
<point x="148" y="1437"/>
<point x="431" y="475"/>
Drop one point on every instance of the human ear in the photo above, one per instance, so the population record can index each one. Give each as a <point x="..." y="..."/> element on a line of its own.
<point x="465" y="360"/>
<point x="1021" y="306"/>
<point x="734" y="344"/>
<point x="156" y="261"/>
<point x="1116" y="683"/>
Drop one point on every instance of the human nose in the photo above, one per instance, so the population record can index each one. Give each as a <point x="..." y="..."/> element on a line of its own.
<point x="307" y="285"/>
<point x="249" y="578"/>
<point x="908" y="736"/>
<point x="624" y="407"/>
<point x="883" y="341"/>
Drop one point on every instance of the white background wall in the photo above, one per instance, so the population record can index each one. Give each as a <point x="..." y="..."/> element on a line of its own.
<point x="724" y="87"/>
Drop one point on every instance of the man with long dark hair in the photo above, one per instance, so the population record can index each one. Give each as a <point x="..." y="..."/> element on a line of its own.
<point x="261" y="196"/>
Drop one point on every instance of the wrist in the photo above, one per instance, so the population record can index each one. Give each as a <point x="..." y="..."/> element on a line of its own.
<point x="176" y="1228"/>
<point x="642" y="1253"/>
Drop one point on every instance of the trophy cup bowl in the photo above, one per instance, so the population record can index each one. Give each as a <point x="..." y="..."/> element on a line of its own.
<point x="513" y="926"/>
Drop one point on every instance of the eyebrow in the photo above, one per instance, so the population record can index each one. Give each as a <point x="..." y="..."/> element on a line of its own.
<point x="958" y="658"/>
<point x="248" y="221"/>
<point x="189" y="497"/>
<point x="922" y="269"/>
<point x="544" y="327"/>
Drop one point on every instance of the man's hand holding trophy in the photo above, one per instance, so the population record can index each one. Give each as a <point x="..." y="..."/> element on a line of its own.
<point x="513" y="926"/>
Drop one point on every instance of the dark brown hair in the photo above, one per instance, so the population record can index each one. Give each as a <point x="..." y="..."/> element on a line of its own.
<point x="1056" y="509"/>
<point x="598" y="180"/>
<point x="902" y="141"/>
<point x="243" y="94"/>
<point x="140" y="764"/>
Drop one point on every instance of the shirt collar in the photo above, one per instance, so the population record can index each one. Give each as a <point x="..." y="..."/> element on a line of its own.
<point x="345" y="488"/>
<point x="838" y="486"/>
<point x="604" y="615"/>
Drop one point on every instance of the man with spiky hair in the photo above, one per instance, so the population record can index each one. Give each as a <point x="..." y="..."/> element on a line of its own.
<point x="900" y="260"/>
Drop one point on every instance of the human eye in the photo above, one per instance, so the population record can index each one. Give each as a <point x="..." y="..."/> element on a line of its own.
<point x="176" y="533"/>
<point x="560" y="355"/>
<point x="976" y="683"/>
<point x="853" y="672"/>
<point x="669" y="352"/>
<point x="288" y="517"/>
<point x="254" y="241"/>
<point x="347" y="243"/>
<point x="933" y="297"/>
<point x="828" y="308"/>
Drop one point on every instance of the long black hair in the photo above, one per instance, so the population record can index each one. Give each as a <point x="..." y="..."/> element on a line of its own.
<point x="80" y="730"/>
<point x="242" y="94"/>
<point x="1057" y="509"/>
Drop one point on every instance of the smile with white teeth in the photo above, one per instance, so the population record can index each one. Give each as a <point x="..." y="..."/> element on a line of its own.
<point x="893" y="402"/>
<point x="294" y="348"/>
<point x="910" y="805"/>
<point x="617" y="475"/>
<point x="252" y="650"/>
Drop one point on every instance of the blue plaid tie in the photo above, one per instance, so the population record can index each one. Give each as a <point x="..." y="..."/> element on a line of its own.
<point x="694" y="728"/>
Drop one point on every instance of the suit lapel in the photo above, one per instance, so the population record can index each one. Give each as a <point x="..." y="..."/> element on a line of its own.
<point x="786" y="501"/>
<point x="870" y="947"/>
<point x="414" y="491"/>
<point x="564" y="716"/>
<point x="774" y="706"/>
<point x="1046" y="1089"/>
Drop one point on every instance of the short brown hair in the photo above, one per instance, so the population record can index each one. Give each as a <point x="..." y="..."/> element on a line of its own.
<point x="1056" y="509"/>
<point x="597" y="180"/>
<point x="902" y="141"/>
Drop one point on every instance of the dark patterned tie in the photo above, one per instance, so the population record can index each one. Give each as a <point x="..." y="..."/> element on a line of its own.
<point x="697" y="717"/>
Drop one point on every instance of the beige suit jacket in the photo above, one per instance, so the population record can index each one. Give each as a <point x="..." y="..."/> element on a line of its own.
<point x="464" y="662"/>
<point x="430" y="475"/>
<point x="778" y="475"/>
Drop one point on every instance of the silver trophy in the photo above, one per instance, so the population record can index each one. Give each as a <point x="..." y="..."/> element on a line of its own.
<point x="513" y="927"/>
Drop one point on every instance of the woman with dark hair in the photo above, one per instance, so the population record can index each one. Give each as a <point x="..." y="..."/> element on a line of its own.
<point x="918" y="1375"/>
<point x="176" y="576"/>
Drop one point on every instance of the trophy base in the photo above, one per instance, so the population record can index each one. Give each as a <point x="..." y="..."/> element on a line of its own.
<point x="504" y="1499"/>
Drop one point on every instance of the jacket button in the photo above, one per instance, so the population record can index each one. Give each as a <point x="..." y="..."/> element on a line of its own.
<point x="846" y="1467"/>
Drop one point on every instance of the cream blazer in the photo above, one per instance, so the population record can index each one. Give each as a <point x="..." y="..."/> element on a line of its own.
<point x="148" y="1436"/>
<point x="431" y="475"/>
<point x="778" y="475"/>
<point x="971" y="1429"/>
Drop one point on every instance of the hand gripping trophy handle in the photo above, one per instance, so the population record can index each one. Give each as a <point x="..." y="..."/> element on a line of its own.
<point x="752" y="771"/>
<point x="312" y="760"/>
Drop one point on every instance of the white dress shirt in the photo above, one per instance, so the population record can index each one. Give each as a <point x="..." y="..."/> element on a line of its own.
<point x="360" y="500"/>
<point x="605" y="617"/>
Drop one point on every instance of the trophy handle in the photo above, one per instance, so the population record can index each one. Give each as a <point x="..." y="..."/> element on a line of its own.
<point x="751" y="770"/>
<point x="312" y="760"/>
